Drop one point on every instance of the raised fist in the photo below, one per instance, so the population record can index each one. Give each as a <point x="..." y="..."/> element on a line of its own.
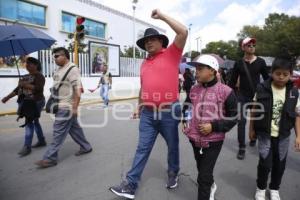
<point x="156" y="14"/>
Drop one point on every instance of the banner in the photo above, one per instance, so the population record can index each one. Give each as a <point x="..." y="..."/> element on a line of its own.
<point x="104" y="53"/>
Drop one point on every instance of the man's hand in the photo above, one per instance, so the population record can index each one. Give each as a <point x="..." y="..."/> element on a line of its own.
<point x="252" y="135"/>
<point x="136" y="114"/>
<point x="205" y="128"/>
<point x="297" y="144"/>
<point x="156" y="14"/>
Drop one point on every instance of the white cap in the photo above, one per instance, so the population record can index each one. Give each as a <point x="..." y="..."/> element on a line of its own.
<point x="247" y="40"/>
<point x="205" y="59"/>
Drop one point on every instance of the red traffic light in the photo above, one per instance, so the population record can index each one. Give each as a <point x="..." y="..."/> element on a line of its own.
<point x="80" y="20"/>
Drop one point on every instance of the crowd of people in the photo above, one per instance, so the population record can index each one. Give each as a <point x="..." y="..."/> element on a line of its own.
<point x="210" y="110"/>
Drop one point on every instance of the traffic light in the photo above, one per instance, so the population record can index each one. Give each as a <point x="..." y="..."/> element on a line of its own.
<point x="79" y="28"/>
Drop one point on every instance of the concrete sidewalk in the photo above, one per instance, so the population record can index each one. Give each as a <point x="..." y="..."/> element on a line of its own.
<point x="10" y="107"/>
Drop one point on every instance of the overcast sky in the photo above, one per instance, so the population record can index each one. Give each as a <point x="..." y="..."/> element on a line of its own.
<point x="212" y="20"/>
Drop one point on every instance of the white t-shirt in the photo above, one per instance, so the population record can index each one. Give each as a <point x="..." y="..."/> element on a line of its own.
<point x="278" y="101"/>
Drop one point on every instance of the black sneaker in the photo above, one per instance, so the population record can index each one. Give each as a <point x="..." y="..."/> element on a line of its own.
<point x="241" y="154"/>
<point x="39" y="144"/>
<point x="252" y="143"/>
<point x="24" y="151"/>
<point x="123" y="190"/>
<point x="172" y="181"/>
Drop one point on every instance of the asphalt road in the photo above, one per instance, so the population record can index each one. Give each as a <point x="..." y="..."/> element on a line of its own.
<point x="113" y="136"/>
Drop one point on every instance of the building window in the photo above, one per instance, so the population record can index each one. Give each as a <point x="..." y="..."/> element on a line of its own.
<point x="68" y="22"/>
<point x="92" y="28"/>
<point x="23" y="11"/>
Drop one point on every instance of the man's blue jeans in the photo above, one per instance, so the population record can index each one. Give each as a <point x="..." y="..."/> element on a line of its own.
<point x="166" y="123"/>
<point x="35" y="126"/>
<point x="104" y="93"/>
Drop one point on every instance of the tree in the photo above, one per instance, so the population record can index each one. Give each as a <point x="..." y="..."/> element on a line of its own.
<point x="82" y="47"/>
<point x="279" y="35"/>
<point x="194" y="54"/>
<point x="227" y="50"/>
<point x="128" y="52"/>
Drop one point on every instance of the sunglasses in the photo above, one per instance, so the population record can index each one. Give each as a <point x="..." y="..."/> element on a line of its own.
<point x="251" y="45"/>
<point x="56" y="56"/>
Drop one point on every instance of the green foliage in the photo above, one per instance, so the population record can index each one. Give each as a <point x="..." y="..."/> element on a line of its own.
<point x="194" y="54"/>
<point x="280" y="34"/>
<point x="81" y="47"/>
<point x="128" y="52"/>
<point x="227" y="50"/>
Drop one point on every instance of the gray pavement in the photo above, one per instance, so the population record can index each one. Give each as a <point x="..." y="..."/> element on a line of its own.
<point x="88" y="177"/>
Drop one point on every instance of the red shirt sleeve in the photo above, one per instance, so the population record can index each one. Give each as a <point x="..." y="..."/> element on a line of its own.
<point x="175" y="52"/>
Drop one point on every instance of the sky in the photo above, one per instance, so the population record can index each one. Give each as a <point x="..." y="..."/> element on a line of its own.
<point x="207" y="20"/>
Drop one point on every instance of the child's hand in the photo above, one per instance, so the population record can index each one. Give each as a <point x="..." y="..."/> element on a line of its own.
<point x="252" y="135"/>
<point x="205" y="128"/>
<point x="183" y="126"/>
<point x="91" y="90"/>
<point x="297" y="144"/>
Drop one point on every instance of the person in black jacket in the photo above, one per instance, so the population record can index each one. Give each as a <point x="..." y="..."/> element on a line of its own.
<point x="188" y="83"/>
<point x="247" y="71"/>
<point x="272" y="127"/>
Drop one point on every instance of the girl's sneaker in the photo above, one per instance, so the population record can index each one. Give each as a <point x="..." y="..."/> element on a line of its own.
<point x="274" y="195"/>
<point x="260" y="194"/>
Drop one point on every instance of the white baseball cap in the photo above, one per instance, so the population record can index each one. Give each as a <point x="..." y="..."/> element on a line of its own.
<point x="247" y="40"/>
<point x="205" y="59"/>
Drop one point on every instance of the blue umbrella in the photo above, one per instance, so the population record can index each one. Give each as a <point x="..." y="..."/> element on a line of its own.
<point x="21" y="40"/>
<point x="183" y="66"/>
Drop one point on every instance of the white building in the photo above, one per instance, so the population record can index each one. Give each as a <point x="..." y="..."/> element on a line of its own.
<point x="57" y="18"/>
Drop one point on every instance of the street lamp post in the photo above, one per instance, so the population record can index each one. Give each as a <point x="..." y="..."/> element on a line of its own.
<point x="197" y="39"/>
<point x="134" y="2"/>
<point x="190" y="44"/>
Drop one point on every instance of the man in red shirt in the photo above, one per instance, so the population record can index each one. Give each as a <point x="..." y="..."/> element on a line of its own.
<point x="158" y="109"/>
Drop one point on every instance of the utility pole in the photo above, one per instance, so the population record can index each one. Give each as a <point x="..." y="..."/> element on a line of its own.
<point x="190" y="44"/>
<point x="134" y="2"/>
<point x="197" y="39"/>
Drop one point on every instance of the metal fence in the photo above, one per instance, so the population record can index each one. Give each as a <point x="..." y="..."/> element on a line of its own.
<point x="129" y="67"/>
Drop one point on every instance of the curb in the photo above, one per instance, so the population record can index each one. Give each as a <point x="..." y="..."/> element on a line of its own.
<point x="84" y="102"/>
